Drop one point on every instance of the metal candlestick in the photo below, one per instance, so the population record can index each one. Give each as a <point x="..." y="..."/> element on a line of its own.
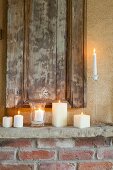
<point x="95" y="78"/>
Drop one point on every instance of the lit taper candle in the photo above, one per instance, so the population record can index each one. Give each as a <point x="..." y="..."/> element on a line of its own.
<point x="95" y="74"/>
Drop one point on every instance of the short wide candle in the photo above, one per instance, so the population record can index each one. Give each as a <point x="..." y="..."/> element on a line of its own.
<point x="39" y="115"/>
<point x="82" y="121"/>
<point x="7" y="121"/>
<point x="18" y="120"/>
<point x="59" y="114"/>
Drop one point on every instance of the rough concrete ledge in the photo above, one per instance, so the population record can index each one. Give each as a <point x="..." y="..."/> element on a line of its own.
<point x="53" y="132"/>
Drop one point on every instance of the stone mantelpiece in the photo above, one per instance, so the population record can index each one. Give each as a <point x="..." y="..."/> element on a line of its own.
<point x="50" y="148"/>
<point x="53" y="132"/>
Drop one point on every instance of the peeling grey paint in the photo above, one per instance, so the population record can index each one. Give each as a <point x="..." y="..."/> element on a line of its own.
<point x="37" y="52"/>
<point x="15" y="40"/>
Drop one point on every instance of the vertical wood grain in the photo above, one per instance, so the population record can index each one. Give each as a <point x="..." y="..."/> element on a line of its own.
<point x="75" y="55"/>
<point x="69" y="54"/>
<point x="47" y="47"/>
<point x="85" y="53"/>
<point x="15" y="43"/>
<point x="3" y="49"/>
<point x="42" y="50"/>
<point x="61" y="49"/>
<point x="27" y="15"/>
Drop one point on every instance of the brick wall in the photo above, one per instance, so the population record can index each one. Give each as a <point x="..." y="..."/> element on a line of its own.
<point x="56" y="154"/>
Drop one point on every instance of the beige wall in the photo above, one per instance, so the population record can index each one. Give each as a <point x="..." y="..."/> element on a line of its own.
<point x="100" y="36"/>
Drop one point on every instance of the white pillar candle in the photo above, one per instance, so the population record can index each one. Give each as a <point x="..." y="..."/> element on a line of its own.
<point x="59" y="114"/>
<point x="18" y="120"/>
<point x="7" y="121"/>
<point x="39" y="115"/>
<point x="94" y="63"/>
<point x="81" y="121"/>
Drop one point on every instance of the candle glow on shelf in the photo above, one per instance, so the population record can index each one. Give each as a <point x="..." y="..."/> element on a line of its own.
<point x="7" y="121"/>
<point x="59" y="114"/>
<point x="95" y="74"/>
<point x="82" y="120"/>
<point x="18" y="120"/>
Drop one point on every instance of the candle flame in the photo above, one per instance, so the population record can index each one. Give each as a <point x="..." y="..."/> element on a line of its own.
<point x="82" y="113"/>
<point x="18" y="112"/>
<point x="94" y="50"/>
<point x="40" y="109"/>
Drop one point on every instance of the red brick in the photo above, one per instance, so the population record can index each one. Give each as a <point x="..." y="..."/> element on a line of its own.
<point x="37" y="155"/>
<point x="16" y="143"/>
<point x="65" y="143"/>
<point x="88" y="142"/>
<point x="57" y="166"/>
<point x="7" y="155"/>
<point x="95" y="166"/>
<point x="46" y="143"/>
<point x="53" y="143"/>
<point x="16" y="167"/>
<point x="76" y="154"/>
<point x="105" y="153"/>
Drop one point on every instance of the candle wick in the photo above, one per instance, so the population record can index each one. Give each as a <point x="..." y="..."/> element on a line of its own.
<point x="18" y="112"/>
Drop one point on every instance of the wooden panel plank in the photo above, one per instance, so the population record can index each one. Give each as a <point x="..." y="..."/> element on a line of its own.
<point x="42" y="50"/>
<point x="75" y="55"/>
<point x="15" y="40"/>
<point x="85" y="53"/>
<point x="61" y="49"/>
<point x="69" y="53"/>
<point x="27" y="15"/>
<point x="3" y="53"/>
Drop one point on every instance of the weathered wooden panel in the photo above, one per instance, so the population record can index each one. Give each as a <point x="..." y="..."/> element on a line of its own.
<point x="27" y="16"/>
<point x="69" y="53"/>
<point x="39" y="66"/>
<point x="61" y="49"/>
<point x="77" y="53"/>
<point x="15" y="41"/>
<point x="46" y="75"/>
<point x="75" y="58"/>
<point x="42" y="50"/>
<point x="85" y="54"/>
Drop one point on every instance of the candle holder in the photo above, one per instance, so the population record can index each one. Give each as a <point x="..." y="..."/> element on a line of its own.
<point x="37" y="114"/>
<point x="95" y="78"/>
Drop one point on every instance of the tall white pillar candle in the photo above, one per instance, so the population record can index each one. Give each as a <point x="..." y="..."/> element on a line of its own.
<point x="82" y="121"/>
<point x="59" y="114"/>
<point x="7" y="121"/>
<point x="18" y="120"/>
<point x="94" y="63"/>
